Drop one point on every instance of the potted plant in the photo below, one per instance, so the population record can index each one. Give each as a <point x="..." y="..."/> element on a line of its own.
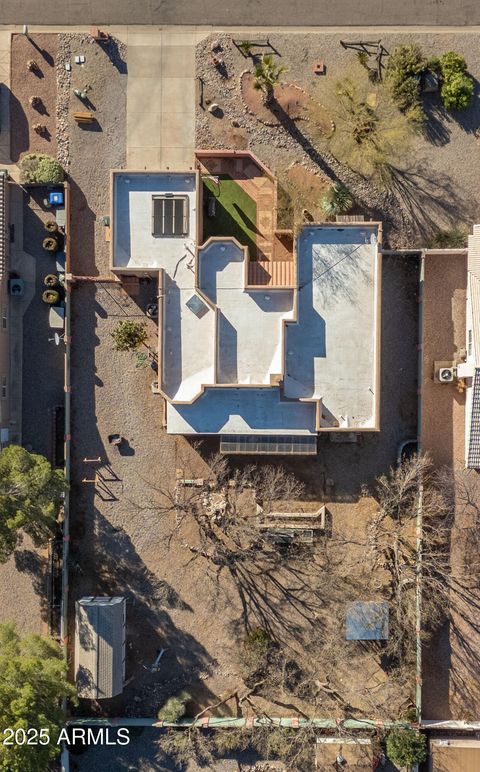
<point x="50" y="244"/>
<point x="51" y="296"/>
<point x="51" y="226"/>
<point x="51" y="280"/>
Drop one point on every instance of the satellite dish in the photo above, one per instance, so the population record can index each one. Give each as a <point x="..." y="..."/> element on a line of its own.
<point x="56" y="338"/>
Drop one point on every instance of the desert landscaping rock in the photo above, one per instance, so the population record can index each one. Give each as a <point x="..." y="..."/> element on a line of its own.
<point x="437" y="185"/>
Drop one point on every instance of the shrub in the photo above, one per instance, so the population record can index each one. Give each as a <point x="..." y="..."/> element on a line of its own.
<point x="451" y="62"/>
<point x="338" y="200"/>
<point x="246" y="47"/>
<point x="257" y="640"/>
<point x="51" y="296"/>
<point x="402" y="72"/>
<point x="50" y="244"/>
<point x="457" y="91"/>
<point x="406" y="747"/>
<point x="255" y="652"/>
<point x="174" y="708"/>
<point x="40" y="168"/>
<point x="455" y="238"/>
<point x="129" y="335"/>
<point x="433" y="64"/>
<point x="362" y="57"/>
<point x="51" y="280"/>
<point x="51" y="226"/>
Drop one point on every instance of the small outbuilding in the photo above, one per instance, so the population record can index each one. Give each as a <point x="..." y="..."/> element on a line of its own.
<point x="100" y="646"/>
<point x="367" y="621"/>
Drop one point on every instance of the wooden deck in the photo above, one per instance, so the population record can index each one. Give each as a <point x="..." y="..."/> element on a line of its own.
<point x="272" y="247"/>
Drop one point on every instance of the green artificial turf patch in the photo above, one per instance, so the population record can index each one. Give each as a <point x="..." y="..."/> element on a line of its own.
<point x="235" y="213"/>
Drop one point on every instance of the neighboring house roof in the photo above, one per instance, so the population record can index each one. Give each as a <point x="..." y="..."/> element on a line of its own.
<point x="473" y="460"/>
<point x="3" y="225"/>
<point x="473" y="349"/>
<point x="454" y="755"/>
<point x="100" y="646"/>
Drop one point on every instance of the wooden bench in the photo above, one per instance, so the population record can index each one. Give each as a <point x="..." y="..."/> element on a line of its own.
<point x="83" y="117"/>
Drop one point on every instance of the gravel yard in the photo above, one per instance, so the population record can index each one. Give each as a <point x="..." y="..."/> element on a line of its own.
<point x="90" y="151"/>
<point x="41" y="82"/>
<point x="121" y="544"/>
<point x="436" y="185"/>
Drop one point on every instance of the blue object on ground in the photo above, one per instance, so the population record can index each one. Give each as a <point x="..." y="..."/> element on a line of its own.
<point x="367" y="621"/>
<point x="55" y="197"/>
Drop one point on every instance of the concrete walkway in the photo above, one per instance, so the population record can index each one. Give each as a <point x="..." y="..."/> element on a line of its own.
<point x="161" y="99"/>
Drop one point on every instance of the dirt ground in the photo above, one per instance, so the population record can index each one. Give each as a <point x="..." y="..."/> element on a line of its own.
<point x="452" y="659"/>
<point x="120" y="543"/>
<point x="23" y="589"/>
<point x="436" y="186"/>
<point x="42" y="49"/>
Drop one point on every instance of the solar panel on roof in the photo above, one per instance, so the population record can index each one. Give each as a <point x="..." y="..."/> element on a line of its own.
<point x="269" y="444"/>
<point x="169" y="215"/>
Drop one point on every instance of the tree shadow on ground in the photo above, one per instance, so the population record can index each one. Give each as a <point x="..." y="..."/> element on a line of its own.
<point x="35" y="566"/>
<point x="20" y="134"/>
<point x="436" y="130"/>
<point x="291" y="126"/>
<point x="112" y="566"/>
<point x="428" y="199"/>
<point x="82" y="233"/>
<point x="112" y="50"/>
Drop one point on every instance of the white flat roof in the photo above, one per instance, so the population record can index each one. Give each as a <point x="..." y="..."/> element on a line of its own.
<point x="134" y="245"/>
<point x="331" y="350"/>
<point x="242" y="410"/>
<point x="250" y="326"/>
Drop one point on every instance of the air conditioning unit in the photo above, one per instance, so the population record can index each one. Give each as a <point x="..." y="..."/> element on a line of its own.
<point x="447" y="374"/>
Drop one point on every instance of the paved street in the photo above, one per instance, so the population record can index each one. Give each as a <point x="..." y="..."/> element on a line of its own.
<point x="246" y="13"/>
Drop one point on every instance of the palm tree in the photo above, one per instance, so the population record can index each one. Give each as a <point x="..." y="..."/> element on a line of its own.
<point x="338" y="200"/>
<point x="267" y="75"/>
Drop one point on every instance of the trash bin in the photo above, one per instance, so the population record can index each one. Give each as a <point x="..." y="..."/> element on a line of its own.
<point x="55" y="198"/>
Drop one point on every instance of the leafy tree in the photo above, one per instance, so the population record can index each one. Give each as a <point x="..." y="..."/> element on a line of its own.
<point x="40" y="168"/>
<point x="338" y="200"/>
<point x="267" y="75"/>
<point x="457" y="88"/>
<point x="402" y="72"/>
<point x="129" y="335"/>
<point x="30" y="498"/>
<point x="367" y="139"/>
<point x="451" y="63"/>
<point x="457" y="91"/>
<point x="174" y="707"/>
<point x="33" y="681"/>
<point x="406" y="747"/>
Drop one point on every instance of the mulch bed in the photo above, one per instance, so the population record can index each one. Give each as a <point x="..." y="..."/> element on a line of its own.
<point x="42" y="83"/>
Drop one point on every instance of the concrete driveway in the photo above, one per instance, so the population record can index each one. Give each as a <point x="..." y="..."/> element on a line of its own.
<point x="249" y="13"/>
